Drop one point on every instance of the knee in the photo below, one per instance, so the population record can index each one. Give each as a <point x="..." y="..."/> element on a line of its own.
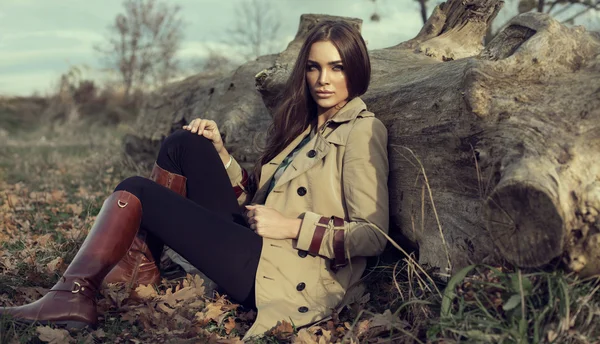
<point x="135" y="185"/>
<point x="185" y="138"/>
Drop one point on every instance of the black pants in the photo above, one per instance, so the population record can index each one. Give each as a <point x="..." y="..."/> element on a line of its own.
<point x="207" y="228"/>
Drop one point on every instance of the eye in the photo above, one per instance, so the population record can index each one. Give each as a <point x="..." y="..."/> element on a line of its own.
<point x="311" y="67"/>
<point x="338" y="67"/>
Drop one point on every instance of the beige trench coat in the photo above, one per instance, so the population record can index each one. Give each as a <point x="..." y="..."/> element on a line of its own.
<point x="347" y="178"/>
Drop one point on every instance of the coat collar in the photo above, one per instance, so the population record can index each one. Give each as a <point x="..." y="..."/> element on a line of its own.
<point x="268" y="169"/>
<point x="350" y="111"/>
<point x="319" y="143"/>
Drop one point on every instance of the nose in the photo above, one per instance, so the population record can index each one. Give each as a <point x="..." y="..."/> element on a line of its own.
<point x="323" y="77"/>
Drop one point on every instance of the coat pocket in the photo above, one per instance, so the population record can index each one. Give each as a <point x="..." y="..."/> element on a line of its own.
<point x="331" y="290"/>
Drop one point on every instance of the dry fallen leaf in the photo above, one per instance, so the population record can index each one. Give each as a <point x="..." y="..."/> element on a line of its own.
<point x="13" y="200"/>
<point x="387" y="320"/>
<point x="304" y="337"/>
<point x="76" y="209"/>
<point x="229" y="325"/>
<point x="43" y="240"/>
<point x="325" y="337"/>
<point x="55" y="265"/>
<point x="212" y="311"/>
<point x="146" y="292"/>
<point x="165" y="308"/>
<point x="362" y="328"/>
<point x="53" y="336"/>
<point x="57" y="195"/>
<point x="282" y="331"/>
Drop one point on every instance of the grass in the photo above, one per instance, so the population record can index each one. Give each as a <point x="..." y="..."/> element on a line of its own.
<point x="65" y="174"/>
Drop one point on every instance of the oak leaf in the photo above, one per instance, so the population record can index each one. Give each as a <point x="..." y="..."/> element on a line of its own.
<point x="282" y="331"/>
<point x="53" y="335"/>
<point x="55" y="265"/>
<point x="146" y="292"/>
<point x="213" y="311"/>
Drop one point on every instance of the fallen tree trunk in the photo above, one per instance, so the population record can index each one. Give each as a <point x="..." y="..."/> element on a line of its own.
<point x="493" y="149"/>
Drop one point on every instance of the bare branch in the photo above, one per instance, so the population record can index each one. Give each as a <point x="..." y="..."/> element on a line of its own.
<point x="423" y="5"/>
<point x="572" y="18"/>
<point x="143" y="42"/>
<point x="540" y="6"/>
<point x="256" y="28"/>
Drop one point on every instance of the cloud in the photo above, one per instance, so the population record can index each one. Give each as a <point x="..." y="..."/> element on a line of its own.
<point x="80" y="35"/>
<point x="14" y="58"/>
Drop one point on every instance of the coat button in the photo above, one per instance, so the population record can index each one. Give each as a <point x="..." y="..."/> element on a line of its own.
<point x="300" y="286"/>
<point x="303" y="309"/>
<point x="312" y="153"/>
<point x="301" y="191"/>
<point x="302" y="253"/>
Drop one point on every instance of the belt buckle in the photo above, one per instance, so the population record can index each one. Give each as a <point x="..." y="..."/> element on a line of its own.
<point x="77" y="288"/>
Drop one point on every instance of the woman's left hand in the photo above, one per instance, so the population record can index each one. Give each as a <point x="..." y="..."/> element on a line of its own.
<point x="269" y="223"/>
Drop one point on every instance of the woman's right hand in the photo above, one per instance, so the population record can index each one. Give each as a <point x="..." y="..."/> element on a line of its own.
<point x="208" y="128"/>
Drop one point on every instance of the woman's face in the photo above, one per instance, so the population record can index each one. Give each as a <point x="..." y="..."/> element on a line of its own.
<point x="325" y="76"/>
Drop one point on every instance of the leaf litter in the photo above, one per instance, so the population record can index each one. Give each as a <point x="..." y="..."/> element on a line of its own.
<point x="44" y="218"/>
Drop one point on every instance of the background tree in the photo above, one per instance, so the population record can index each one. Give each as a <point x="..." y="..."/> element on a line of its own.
<point x="559" y="7"/>
<point x="143" y="42"/>
<point x="256" y="28"/>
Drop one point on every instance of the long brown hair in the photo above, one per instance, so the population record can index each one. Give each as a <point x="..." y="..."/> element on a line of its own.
<point x="296" y="108"/>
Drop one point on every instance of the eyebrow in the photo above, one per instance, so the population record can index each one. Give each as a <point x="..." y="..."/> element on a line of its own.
<point x="329" y="63"/>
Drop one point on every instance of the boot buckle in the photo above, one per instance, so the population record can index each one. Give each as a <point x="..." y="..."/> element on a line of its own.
<point x="77" y="288"/>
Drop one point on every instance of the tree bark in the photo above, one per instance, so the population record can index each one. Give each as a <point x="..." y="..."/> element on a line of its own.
<point x="493" y="150"/>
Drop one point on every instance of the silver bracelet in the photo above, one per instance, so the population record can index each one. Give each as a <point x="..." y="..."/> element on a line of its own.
<point x="229" y="162"/>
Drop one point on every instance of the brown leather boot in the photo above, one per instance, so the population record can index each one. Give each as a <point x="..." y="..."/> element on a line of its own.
<point x="72" y="301"/>
<point x="138" y="266"/>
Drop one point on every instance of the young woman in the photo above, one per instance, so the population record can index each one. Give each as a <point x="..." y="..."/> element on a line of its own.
<point x="319" y="208"/>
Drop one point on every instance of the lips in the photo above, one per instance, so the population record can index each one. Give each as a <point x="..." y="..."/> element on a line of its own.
<point x="324" y="94"/>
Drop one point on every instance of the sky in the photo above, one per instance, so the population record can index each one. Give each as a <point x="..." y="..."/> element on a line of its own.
<point x="41" y="39"/>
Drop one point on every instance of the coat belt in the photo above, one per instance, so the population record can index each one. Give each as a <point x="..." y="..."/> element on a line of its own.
<point x="338" y="240"/>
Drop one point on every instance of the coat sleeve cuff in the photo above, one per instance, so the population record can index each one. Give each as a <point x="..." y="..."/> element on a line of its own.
<point x="307" y="230"/>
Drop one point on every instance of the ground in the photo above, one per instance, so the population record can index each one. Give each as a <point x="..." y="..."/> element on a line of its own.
<point x="53" y="182"/>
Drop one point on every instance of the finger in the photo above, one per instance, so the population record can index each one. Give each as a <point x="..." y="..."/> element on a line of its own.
<point x="202" y="125"/>
<point x="210" y="130"/>
<point x="188" y="126"/>
<point x="253" y="226"/>
<point x="194" y="125"/>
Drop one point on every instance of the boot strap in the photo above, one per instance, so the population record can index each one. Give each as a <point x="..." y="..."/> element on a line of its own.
<point x="76" y="286"/>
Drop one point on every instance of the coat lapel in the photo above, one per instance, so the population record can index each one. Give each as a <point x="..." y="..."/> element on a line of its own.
<point x="303" y="162"/>
<point x="268" y="169"/>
